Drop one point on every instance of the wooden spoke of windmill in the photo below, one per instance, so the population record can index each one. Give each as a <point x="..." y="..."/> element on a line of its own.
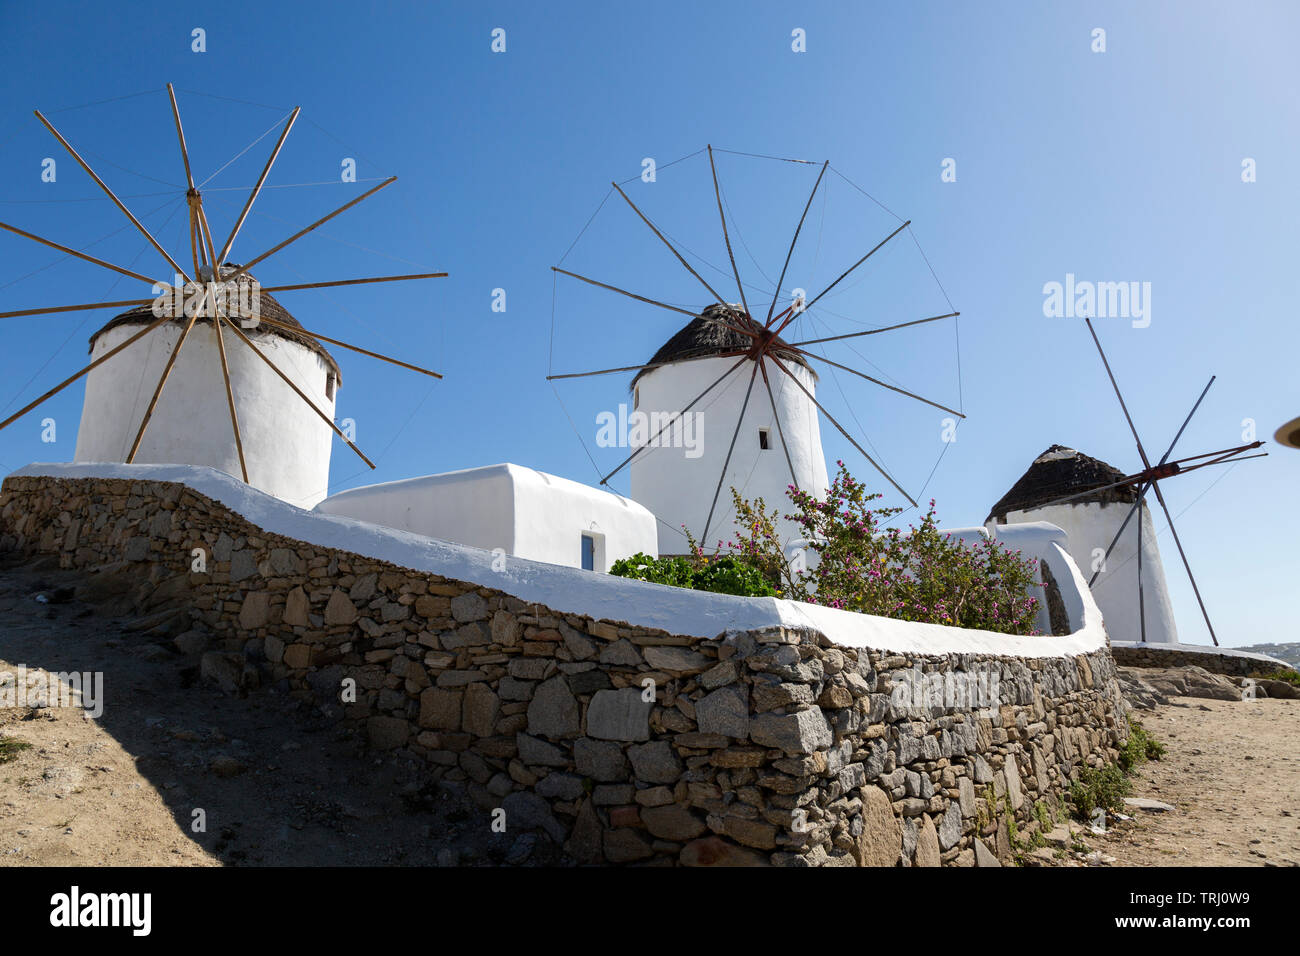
<point x="760" y="340"/>
<point x="1148" y="480"/>
<point x="212" y="273"/>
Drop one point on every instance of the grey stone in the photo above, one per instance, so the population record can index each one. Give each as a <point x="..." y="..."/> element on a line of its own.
<point x="718" y="676"/>
<point x="553" y="711"/>
<point x="562" y="786"/>
<point x="677" y="660"/>
<point x="984" y="856"/>
<point x="618" y="715"/>
<point x="1012" y="773"/>
<point x="804" y="732"/>
<point x="725" y="711"/>
<point x="655" y="762"/>
<point x="481" y="709"/>
<point x="621" y="653"/>
<point x="966" y="800"/>
<point x="589" y="682"/>
<point x="242" y="565"/>
<point x="529" y="811"/>
<point x="672" y="822"/>
<point x="1151" y="806"/>
<point x="600" y="759"/>
<point x="284" y="561"/>
<point x="950" y="827"/>
<point x="539" y="753"/>
<point x="469" y="607"/>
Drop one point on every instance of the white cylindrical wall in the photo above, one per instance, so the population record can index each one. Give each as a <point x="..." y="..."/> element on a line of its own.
<point x="1090" y="527"/>
<point x="286" y="445"/>
<point x="677" y="484"/>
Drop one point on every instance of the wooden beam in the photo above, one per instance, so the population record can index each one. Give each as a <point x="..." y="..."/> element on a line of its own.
<point x="80" y="255"/>
<point x="846" y="272"/>
<point x="339" y="282"/>
<point x="157" y="392"/>
<point x="85" y="306"/>
<point x="234" y="327"/>
<point x="726" y="463"/>
<point x="717" y="192"/>
<point x="258" y="187"/>
<point x="180" y="134"/>
<point x="93" y="365"/>
<point x="794" y="378"/>
<point x="354" y="348"/>
<point x="779" y="282"/>
<point x="630" y="295"/>
<point x="671" y="421"/>
<point x="892" y="388"/>
<point x="111" y="195"/>
<point x="671" y="247"/>
<point x="319" y="222"/>
<point x="887" y="328"/>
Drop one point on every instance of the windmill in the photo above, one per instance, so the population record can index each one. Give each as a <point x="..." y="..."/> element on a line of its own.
<point x="743" y="342"/>
<point x="215" y="289"/>
<point x="1147" y="480"/>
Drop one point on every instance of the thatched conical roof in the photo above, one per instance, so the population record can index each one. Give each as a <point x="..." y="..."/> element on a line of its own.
<point x="705" y="335"/>
<point x="269" y="306"/>
<point x="1057" y="473"/>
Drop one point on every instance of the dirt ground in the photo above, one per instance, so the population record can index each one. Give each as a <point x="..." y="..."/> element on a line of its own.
<point x="276" y="783"/>
<point x="1232" y="773"/>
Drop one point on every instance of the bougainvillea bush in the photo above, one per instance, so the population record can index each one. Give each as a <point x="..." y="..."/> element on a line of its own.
<point x="857" y="563"/>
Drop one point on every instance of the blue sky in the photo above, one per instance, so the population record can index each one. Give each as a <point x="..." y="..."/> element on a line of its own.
<point x="1115" y="166"/>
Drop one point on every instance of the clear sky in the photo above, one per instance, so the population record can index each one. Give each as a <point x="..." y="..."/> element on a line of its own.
<point x="1123" y="165"/>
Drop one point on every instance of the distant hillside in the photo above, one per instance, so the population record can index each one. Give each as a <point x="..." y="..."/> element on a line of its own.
<point x="1286" y="652"/>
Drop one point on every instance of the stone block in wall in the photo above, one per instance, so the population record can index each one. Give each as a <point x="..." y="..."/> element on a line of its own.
<point x="618" y="715"/>
<point x="441" y="708"/>
<point x="553" y="711"/>
<point x="725" y="711"/>
<point x="879" y="837"/>
<point x="655" y="762"/>
<point x="481" y="708"/>
<point x="802" y="732"/>
<point x="601" y="760"/>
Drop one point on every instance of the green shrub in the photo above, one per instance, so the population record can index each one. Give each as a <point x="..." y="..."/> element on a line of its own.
<point x="726" y="574"/>
<point x="1104" y="788"/>
<point x="10" y="747"/>
<point x="1139" y="748"/>
<point x="1289" y="676"/>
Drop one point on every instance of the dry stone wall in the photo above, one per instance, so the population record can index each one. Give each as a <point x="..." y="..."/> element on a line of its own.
<point x="1153" y="655"/>
<point x="626" y="745"/>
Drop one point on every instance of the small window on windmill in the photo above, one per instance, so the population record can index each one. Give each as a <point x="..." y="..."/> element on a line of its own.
<point x="762" y="439"/>
<point x="329" y="385"/>
<point x="588" y="553"/>
<point x="636" y="397"/>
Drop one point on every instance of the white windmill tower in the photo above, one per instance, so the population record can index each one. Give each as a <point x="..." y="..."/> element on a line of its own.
<point x="1095" y="504"/>
<point x="230" y="404"/>
<point x="777" y="435"/>
<point x="737" y="377"/>
<point x="284" y="446"/>
<point x="1098" y="510"/>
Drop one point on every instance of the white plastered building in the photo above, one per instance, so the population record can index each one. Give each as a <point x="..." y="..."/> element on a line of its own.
<point x="286" y="445"/>
<point x="678" y="478"/>
<point x="516" y="510"/>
